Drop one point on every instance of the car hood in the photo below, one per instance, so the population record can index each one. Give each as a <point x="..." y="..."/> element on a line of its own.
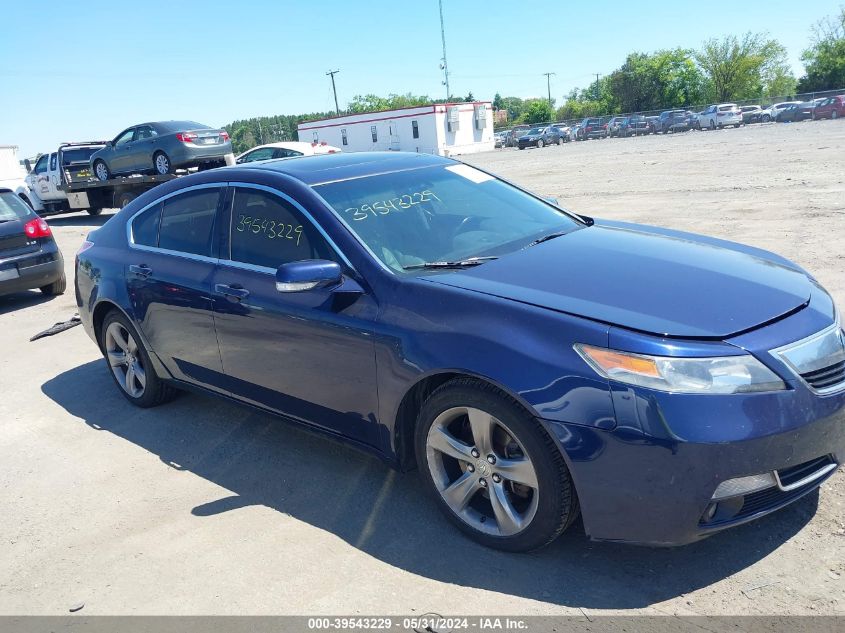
<point x="651" y="280"/>
<point x="530" y="137"/>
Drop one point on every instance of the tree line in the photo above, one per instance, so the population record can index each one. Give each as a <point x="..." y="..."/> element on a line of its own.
<point x="732" y="68"/>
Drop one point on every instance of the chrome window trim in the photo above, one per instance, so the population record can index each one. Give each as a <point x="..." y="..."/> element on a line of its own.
<point x="130" y="238"/>
<point x="298" y="207"/>
<point x="781" y="354"/>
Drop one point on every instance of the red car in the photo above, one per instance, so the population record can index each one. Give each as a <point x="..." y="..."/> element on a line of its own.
<point x="831" y="108"/>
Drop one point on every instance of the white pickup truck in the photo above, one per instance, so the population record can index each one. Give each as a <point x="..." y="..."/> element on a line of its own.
<point x="12" y="175"/>
<point x="61" y="181"/>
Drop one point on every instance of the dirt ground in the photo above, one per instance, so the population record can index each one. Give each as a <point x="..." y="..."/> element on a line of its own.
<point x="204" y="507"/>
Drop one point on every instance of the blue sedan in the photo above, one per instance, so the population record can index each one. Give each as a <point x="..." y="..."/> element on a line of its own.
<point x="531" y="363"/>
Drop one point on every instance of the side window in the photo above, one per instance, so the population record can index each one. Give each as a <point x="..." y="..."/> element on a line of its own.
<point x="285" y="153"/>
<point x="53" y="162"/>
<point x="125" y="137"/>
<point x="343" y="138"/>
<point x="415" y="128"/>
<point x="268" y="231"/>
<point x="145" y="227"/>
<point x="187" y="222"/>
<point x="41" y="165"/>
<point x="374" y="133"/>
<point x="260" y="154"/>
<point x="144" y="132"/>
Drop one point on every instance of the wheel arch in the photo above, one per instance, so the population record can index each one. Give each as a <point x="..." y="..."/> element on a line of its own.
<point x="405" y="419"/>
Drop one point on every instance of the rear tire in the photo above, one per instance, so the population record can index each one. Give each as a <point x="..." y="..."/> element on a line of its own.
<point x="101" y="170"/>
<point x="129" y="363"/>
<point x="124" y="199"/>
<point x="95" y="212"/>
<point x="560" y="140"/>
<point x="766" y="118"/>
<point x="515" y="492"/>
<point x="162" y="164"/>
<point x="540" y="143"/>
<point x="58" y="287"/>
<point x="834" y="115"/>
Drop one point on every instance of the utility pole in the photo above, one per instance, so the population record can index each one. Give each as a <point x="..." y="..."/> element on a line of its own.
<point x="597" y="86"/>
<point x="444" y="66"/>
<point x="332" y="73"/>
<point x="549" y="86"/>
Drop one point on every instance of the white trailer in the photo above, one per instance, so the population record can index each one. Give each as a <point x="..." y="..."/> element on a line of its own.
<point x="447" y="129"/>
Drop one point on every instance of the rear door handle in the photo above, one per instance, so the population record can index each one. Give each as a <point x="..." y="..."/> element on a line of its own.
<point x="232" y="293"/>
<point x="141" y="270"/>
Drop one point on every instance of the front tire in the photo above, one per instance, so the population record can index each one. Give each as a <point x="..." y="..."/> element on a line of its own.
<point x="491" y="468"/>
<point x="130" y="365"/>
<point x="766" y="118"/>
<point x="162" y="164"/>
<point x="540" y="143"/>
<point x="101" y="170"/>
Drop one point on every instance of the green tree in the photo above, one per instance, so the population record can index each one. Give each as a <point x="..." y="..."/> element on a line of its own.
<point x="374" y="103"/>
<point x="739" y="68"/>
<point x="538" y="111"/>
<point x="824" y="61"/>
<point x="470" y="97"/>
<point x="498" y="102"/>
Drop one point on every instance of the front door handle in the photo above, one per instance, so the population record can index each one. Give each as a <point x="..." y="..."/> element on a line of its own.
<point x="232" y="293"/>
<point x="141" y="270"/>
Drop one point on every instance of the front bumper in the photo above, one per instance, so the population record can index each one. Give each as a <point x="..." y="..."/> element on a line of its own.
<point x="652" y="478"/>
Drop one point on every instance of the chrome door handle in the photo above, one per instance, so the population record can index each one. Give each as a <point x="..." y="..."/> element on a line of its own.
<point x="141" y="270"/>
<point x="232" y="293"/>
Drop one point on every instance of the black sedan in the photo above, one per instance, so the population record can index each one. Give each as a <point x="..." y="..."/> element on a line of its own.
<point x="673" y="121"/>
<point x="634" y="125"/>
<point x="541" y="136"/>
<point x="29" y="256"/>
<point x="162" y="148"/>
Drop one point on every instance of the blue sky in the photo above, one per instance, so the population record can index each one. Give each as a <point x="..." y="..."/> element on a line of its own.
<point x="82" y="70"/>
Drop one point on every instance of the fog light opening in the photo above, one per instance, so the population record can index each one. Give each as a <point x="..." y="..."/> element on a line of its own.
<point x="710" y="512"/>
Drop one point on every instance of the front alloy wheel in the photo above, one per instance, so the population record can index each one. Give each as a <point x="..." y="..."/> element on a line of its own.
<point x="492" y="468"/>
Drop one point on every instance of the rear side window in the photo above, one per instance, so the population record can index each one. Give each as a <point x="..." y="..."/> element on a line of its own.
<point x="268" y="231"/>
<point x="187" y="222"/>
<point x="145" y="227"/>
<point x="13" y="208"/>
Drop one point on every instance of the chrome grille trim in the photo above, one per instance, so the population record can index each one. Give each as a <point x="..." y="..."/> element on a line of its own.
<point x="818" y="360"/>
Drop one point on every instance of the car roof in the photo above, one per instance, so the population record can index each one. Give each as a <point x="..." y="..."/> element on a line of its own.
<point x="324" y="168"/>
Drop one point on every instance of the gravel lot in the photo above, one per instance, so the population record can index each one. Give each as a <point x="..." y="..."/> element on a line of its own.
<point x="206" y="507"/>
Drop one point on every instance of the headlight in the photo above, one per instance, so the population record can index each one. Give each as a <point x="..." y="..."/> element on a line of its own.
<point x="723" y="374"/>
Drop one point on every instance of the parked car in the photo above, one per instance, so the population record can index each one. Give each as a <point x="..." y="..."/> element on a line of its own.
<point x="692" y="120"/>
<point x="614" y="126"/>
<point x="807" y="109"/>
<point x="498" y="140"/>
<point x="591" y="128"/>
<point x="675" y="376"/>
<point x="830" y="108"/>
<point x="793" y="113"/>
<point x="719" y="116"/>
<point x="672" y="121"/>
<point x="751" y="114"/>
<point x="634" y="125"/>
<point x="651" y="121"/>
<point x="29" y="256"/>
<point x="566" y="132"/>
<point x="770" y="113"/>
<point x="541" y="136"/>
<point x="512" y="139"/>
<point x="162" y="148"/>
<point x="286" y="149"/>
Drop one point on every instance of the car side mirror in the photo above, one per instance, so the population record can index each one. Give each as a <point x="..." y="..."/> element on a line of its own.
<point x="307" y="274"/>
<point x="27" y="165"/>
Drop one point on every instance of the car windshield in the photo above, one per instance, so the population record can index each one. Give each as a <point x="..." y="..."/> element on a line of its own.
<point x="13" y="208"/>
<point x="535" y="130"/>
<point x="77" y="155"/>
<point x="443" y="213"/>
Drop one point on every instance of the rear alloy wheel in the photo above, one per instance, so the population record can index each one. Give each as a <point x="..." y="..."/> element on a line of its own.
<point x="101" y="170"/>
<point x="162" y="164"/>
<point x="130" y="364"/>
<point x="492" y="468"/>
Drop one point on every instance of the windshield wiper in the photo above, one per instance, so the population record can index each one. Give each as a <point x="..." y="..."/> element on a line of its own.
<point x="462" y="263"/>
<point x="545" y="238"/>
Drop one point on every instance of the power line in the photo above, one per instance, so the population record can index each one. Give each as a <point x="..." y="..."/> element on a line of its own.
<point x="332" y="73"/>
<point x="549" y="85"/>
